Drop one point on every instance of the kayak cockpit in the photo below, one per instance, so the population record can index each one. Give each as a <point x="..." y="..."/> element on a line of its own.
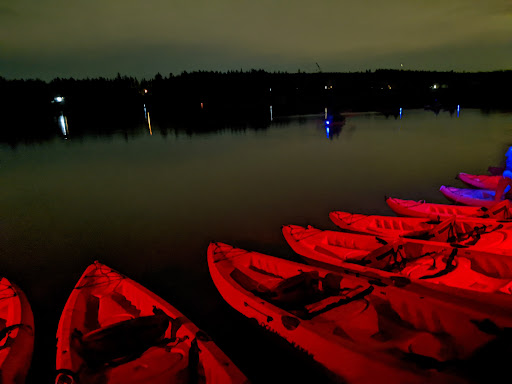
<point x="123" y="336"/>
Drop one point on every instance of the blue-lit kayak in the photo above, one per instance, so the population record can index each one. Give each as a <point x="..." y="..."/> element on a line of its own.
<point x="468" y="196"/>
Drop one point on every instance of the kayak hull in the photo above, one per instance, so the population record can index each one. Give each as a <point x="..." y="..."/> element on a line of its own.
<point x="425" y="262"/>
<point x="413" y="208"/>
<point x="480" y="181"/>
<point x="471" y="197"/>
<point x="17" y="342"/>
<point x="113" y="330"/>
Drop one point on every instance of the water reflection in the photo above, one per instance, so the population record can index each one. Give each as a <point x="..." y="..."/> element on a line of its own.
<point x="396" y="112"/>
<point x="148" y="120"/>
<point x="63" y="123"/>
<point x="87" y="120"/>
<point x="149" y="125"/>
<point x="333" y="123"/>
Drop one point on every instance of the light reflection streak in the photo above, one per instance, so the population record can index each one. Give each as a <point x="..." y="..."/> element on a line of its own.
<point x="149" y="125"/>
<point x="148" y="119"/>
<point x="63" y="123"/>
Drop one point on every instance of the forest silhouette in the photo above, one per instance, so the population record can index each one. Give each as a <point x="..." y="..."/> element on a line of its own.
<point x="205" y="100"/>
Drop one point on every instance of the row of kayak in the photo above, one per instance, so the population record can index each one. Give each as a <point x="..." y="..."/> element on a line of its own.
<point x="363" y="323"/>
<point x="419" y="298"/>
<point x="412" y="299"/>
<point x="112" y="330"/>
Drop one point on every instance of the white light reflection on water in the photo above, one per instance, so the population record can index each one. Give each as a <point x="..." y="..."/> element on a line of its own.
<point x="63" y="123"/>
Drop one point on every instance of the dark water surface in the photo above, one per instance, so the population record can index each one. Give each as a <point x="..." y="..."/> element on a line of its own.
<point x="149" y="204"/>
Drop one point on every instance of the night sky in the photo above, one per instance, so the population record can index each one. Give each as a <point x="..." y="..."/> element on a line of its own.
<point x="49" y="38"/>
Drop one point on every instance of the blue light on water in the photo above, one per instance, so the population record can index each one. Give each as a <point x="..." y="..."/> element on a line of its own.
<point x="327" y="131"/>
<point x="458" y="110"/>
<point x="400" y="112"/>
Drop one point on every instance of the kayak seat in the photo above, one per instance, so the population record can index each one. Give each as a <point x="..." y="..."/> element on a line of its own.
<point x="288" y="293"/>
<point x="254" y="281"/>
<point x="298" y="291"/>
<point x="126" y="339"/>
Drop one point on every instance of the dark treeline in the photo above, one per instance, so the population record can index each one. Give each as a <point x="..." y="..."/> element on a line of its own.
<point x="209" y="100"/>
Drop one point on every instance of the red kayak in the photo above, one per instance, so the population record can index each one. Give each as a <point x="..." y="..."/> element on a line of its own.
<point x="482" y="234"/>
<point x="16" y="333"/>
<point x="469" y="196"/>
<point x="423" y="261"/>
<point x="480" y="181"/>
<point x="113" y="330"/>
<point x="500" y="211"/>
<point x="363" y="329"/>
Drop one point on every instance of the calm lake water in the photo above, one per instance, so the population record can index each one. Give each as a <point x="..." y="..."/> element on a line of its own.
<point x="149" y="203"/>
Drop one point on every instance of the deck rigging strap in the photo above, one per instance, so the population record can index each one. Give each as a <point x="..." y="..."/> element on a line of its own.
<point x="100" y="273"/>
<point x="7" y="291"/>
<point x="447" y="269"/>
<point x="219" y="251"/>
<point x="303" y="231"/>
<point x="351" y="215"/>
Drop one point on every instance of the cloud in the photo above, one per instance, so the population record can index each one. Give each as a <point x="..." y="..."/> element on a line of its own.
<point x="6" y="11"/>
<point x="148" y="37"/>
